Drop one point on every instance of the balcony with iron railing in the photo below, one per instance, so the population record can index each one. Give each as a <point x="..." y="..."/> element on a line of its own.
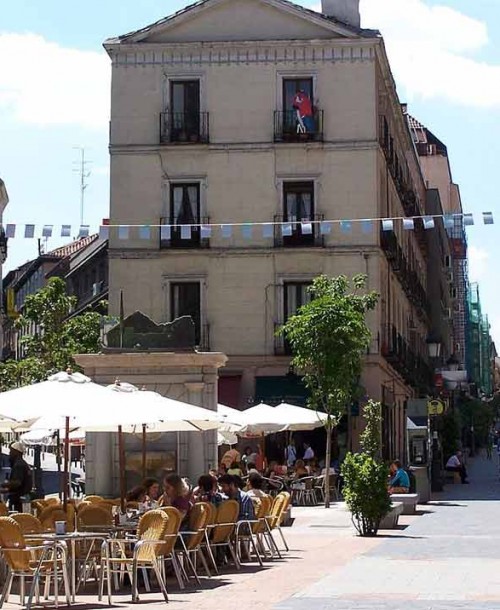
<point x="183" y="236"/>
<point x="288" y="127"/>
<point x="184" y="128"/>
<point x="306" y="233"/>
<point x="408" y="276"/>
<point x="404" y="357"/>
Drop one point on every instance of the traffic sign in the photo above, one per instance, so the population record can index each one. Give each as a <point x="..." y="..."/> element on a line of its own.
<point x="435" y="407"/>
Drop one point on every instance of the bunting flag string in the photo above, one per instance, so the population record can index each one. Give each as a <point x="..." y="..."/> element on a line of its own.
<point x="227" y="230"/>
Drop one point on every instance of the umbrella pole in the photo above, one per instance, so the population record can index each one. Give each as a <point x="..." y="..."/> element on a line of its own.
<point x="121" y="458"/>
<point x="263" y="450"/>
<point x="143" y="451"/>
<point x="66" y="464"/>
<point x="58" y="460"/>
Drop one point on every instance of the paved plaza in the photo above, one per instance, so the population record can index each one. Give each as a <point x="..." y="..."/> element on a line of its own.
<point x="446" y="557"/>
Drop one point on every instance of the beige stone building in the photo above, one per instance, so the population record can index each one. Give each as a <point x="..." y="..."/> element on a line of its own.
<point x="4" y="200"/>
<point x="260" y="111"/>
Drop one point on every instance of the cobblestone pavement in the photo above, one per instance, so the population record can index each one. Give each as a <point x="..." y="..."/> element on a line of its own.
<point x="446" y="559"/>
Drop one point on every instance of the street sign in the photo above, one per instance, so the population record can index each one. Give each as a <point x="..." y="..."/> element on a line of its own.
<point x="435" y="407"/>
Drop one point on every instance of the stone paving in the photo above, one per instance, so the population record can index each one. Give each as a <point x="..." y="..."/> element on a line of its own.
<point x="447" y="558"/>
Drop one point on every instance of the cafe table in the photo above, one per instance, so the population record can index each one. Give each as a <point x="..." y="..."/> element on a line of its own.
<point x="72" y="538"/>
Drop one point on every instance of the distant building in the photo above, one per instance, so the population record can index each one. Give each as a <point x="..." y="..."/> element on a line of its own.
<point x="83" y="266"/>
<point x="4" y="200"/>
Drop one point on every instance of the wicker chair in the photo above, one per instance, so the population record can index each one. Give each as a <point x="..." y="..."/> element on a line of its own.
<point x="30" y="562"/>
<point x="247" y="530"/>
<point x="4" y="511"/>
<point x="277" y="525"/>
<point x="93" y="499"/>
<point x="171" y="536"/>
<point x="191" y="541"/>
<point x="147" y="548"/>
<point x="56" y="512"/>
<point x="29" y="524"/>
<point x="93" y="515"/>
<point x="220" y="532"/>
<point x="88" y="555"/>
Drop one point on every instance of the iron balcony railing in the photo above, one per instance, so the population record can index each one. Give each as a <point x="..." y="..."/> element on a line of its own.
<point x="179" y="235"/>
<point x="407" y="275"/>
<point x="306" y="233"/>
<point x="184" y="128"/>
<point x="288" y="127"/>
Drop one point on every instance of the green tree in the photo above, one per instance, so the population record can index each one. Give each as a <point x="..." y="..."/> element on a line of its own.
<point x="51" y="339"/>
<point x="329" y="336"/>
<point x="365" y="476"/>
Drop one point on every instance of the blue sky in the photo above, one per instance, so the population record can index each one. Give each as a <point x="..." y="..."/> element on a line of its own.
<point x="54" y="96"/>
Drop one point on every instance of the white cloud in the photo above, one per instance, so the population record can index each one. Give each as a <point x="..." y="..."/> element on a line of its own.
<point x="42" y="83"/>
<point x="433" y="51"/>
<point x="478" y="263"/>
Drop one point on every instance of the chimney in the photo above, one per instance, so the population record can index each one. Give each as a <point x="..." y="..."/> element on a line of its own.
<point x="346" y="11"/>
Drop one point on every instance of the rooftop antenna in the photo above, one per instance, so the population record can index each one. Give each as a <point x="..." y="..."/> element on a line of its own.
<point x="84" y="173"/>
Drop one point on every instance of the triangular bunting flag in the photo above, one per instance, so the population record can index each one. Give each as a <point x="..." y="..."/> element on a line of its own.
<point x="185" y="232"/>
<point x="47" y="230"/>
<point x="66" y="231"/>
<point x="488" y="218"/>
<point x="286" y="229"/>
<point x="325" y="227"/>
<point x="307" y="228"/>
<point x="84" y="231"/>
<point x="428" y="222"/>
<point x="205" y="231"/>
<point x="388" y="224"/>
<point x="408" y="224"/>
<point x="468" y="220"/>
<point x="10" y="231"/>
<point x="165" y="233"/>
<point x="29" y="231"/>
<point x="145" y="232"/>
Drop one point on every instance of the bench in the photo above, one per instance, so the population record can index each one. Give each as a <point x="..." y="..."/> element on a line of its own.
<point x="390" y="521"/>
<point x="409" y="502"/>
<point x="452" y="477"/>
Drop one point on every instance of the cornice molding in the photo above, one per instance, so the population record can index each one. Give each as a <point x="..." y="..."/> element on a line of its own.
<point x="230" y="53"/>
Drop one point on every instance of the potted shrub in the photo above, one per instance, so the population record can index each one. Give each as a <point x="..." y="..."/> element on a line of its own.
<point x="365" y="477"/>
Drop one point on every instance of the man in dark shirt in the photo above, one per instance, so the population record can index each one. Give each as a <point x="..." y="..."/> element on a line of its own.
<point x="20" y="480"/>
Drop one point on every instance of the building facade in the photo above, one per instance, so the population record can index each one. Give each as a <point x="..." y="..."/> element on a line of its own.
<point x="82" y="264"/>
<point x="4" y="200"/>
<point x="260" y="111"/>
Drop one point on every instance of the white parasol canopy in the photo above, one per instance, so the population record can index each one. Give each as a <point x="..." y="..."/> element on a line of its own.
<point x="230" y="419"/>
<point x="94" y="408"/>
<point x="260" y="420"/>
<point x="300" y="418"/>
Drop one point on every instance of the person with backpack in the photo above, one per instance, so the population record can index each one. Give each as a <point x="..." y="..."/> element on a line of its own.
<point x="20" y="481"/>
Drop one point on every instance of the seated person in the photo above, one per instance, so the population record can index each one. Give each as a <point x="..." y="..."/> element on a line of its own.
<point x="255" y="484"/>
<point x="176" y="494"/>
<point x="222" y="470"/>
<point x="300" y="470"/>
<point x="152" y="487"/>
<point x="235" y="470"/>
<point x="314" y="468"/>
<point x="232" y="455"/>
<point x="207" y="490"/>
<point x="136" y="494"/>
<point x="455" y="464"/>
<point x="230" y="489"/>
<point x="400" y="481"/>
<point x="251" y="468"/>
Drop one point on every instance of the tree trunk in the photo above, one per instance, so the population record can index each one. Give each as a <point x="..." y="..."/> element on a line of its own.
<point x="328" y="460"/>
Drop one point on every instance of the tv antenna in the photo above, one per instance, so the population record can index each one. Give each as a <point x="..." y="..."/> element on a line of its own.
<point x="84" y="174"/>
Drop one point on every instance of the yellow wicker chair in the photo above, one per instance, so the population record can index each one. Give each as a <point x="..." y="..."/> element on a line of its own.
<point x="191" y="541"/>
<point x="171" y="536"/>
<point x="29" y="524"/>
<point x="93" y="499"/>
<point x="56" y="512"/>
<point x="146" y="554"/>
<point x="248" y="530"/>
<point x="4" y="511"/>
<point x="220" y="532"/>
<point x="93" y="515"/>
<point x="29" y="562"/>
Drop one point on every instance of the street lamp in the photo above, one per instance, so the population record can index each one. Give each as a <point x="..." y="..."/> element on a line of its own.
<point x="434" y="346"/>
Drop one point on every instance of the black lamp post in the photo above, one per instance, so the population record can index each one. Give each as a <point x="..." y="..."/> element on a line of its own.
<point x="434" y="347"/>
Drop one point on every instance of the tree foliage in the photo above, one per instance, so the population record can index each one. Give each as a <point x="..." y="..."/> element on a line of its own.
<point x="50" y="339"/>
<point x="365" y="476"/>
<point x="328" y="337"/>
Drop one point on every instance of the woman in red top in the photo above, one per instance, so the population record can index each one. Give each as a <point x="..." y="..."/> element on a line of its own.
<point x="176" y="494"/>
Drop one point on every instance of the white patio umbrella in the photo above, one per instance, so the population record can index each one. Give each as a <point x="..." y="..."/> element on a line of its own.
<point x="229" y="418"/>
<point x="72" y="400"/>
<point x="300" y="418"/>
<point x="260" y="420"/>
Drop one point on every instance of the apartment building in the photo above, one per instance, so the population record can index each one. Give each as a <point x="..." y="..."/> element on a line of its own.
<point x="82" y="264"/>
<point x="261" y="111"/>
<point x="4" y="200"/>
